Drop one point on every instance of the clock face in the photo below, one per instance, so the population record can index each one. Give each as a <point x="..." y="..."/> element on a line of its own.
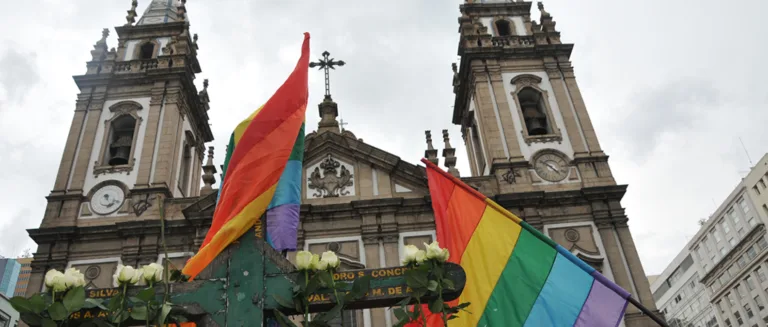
<point x="107" y="199"/>
<point x="551" y="167"/>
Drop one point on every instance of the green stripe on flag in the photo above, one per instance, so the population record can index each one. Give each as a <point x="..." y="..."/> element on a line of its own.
<point x="298" y="148"/>
<point x="520" y="283"/>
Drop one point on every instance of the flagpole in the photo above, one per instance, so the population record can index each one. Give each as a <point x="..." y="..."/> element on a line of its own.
<point x="645" y="310"/>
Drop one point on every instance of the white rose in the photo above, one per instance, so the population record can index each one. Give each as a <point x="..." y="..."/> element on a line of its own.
<point x="74" y="278"/>
<point x="420" y="256"/>
<point x="304" y="260"/>
<point x="433" y="250"/>
<point x="331" y="260"/>
<point x="55" y="280"/>
<point x="138" y="274"/>
<point x="321" y="264"/>
<point x="126" y="275"/>
<point x="59" y="283"/>
<point x="409" y="254"/>
<point x="314" y="264"/>
<point x="153" y="272"/>
<point x="49" y="276"/>
<point x="445" y="255"/>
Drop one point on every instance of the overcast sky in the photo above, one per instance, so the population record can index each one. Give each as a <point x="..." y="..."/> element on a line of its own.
<point x="670" y="86"/>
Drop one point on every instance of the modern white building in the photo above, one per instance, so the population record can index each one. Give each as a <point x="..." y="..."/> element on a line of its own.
<point x="679" y="294"/>
<point x="720" y="278"/>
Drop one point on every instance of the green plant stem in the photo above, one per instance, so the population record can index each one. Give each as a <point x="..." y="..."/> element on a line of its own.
<point x="306" y="302"/>
<point x="147" y="305"/>
<point x="421" y="312"/>
<point x="165" y="251"/>
<point x="333" y="285"/>
<point x="122" y="303"/>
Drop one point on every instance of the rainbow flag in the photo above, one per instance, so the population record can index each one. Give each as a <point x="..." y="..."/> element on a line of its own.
<point x="261" y="148"/>
<point x="516" y="276"/>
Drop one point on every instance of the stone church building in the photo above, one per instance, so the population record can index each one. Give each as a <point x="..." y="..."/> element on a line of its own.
<point x="136" y="149"/>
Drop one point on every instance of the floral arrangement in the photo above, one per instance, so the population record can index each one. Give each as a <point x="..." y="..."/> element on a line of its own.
<point x="426" y="277"/>
<point x="317" y="273"/>
<point x="65" y="297"/>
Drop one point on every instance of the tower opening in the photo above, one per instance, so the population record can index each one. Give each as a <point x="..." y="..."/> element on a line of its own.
<point x="121" y="140"/>
<point x="186" y="162"/>
<point x="503" y="28"/>
<point x="534" y="112"/>
<point x="146" y="51"/>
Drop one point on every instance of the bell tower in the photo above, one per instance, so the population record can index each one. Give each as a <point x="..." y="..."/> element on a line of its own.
<point x="140" y="125"/>
<point x="531" y="143"/>
<point x="517" y="100"/>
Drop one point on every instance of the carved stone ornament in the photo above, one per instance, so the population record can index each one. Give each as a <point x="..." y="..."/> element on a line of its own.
<point x="333" y="181"/>
<point x="511" y="176"/>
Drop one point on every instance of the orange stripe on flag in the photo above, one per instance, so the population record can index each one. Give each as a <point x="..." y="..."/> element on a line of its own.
<point x="256" y="165"/>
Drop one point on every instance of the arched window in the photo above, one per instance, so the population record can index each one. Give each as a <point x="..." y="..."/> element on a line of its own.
<point x="120" y="139"/>
<point x="503" y="28"/>
<point x="147" y="50"/>
<point x="534" y="112"/>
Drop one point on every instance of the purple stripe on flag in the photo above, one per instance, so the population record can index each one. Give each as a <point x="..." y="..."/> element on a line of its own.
<point x="607" y="282"/>
<point x="603" y="307"/>
<point x="282" y="226"/>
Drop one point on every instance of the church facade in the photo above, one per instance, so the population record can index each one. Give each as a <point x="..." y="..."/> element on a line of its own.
<point x="136" y="154"/>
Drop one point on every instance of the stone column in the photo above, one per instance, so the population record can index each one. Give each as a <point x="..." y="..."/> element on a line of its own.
<point x="578" y="103"/>
<point x="89" y="138"/>
<point x="151" y="132"/>
<point x="511" y="134"/>
<point x="566" y="109"/>
<point x="168" y="144"/>
<point x="486" y="116"/>
<point x="75" y="129"/>
<point x="635" y="266"/>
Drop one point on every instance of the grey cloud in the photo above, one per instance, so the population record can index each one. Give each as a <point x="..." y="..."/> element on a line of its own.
<point x="19" y="73"/>
<point x="672" y="107"/>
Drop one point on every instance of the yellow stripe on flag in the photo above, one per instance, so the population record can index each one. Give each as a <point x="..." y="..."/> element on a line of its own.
<point x="494" y="238"/>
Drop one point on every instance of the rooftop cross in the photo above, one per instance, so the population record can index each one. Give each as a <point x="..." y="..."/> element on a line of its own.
<point x="325" y="64"/>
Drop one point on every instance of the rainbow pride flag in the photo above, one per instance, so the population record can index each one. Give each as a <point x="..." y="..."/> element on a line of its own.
<point x="261" y="149"/>
<point x="516" y="276"/>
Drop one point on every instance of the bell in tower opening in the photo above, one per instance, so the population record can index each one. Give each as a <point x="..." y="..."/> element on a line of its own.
<point x="533" y="112"/>
<point x="121" y="140"/>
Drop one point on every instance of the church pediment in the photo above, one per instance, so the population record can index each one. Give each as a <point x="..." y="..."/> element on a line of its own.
<point x="341" y="168"/>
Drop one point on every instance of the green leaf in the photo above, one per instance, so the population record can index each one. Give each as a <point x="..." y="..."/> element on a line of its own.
<point x="164" y="311"/>
<point x="400" y="314"/>
<point x="282" y="301"/>
<point x="318" y="323"/>
<point x="326" y="280"/>
<point x="146" y="294"/>
<point x="31" y="319"/>
<point x="360" y="286"/>
<point x="37" y="302"/>
<point x="448" y="284"/>
<point x="282" y="319"/>
<point x="91" y="303"/>
<point x="114" y="302"/>
<point x="312" y="286"/>
<point x="57" y="311"/>
<point x="330" y="314"/>
<point x="139" y="313"/>
<point x="21" y="304"/>
<point x="74" y="299"/>
<point x="48" y="323"/>
<point x="405" y="301"/>
<point x="432" y="285"/>
<point x="416" y="279"/>
<point x="436" y="305"/>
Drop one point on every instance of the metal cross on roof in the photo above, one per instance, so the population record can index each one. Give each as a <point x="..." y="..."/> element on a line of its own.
<point x="325" y="64"/>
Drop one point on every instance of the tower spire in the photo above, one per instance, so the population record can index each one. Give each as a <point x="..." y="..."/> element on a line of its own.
<point x="163" y="12"/>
